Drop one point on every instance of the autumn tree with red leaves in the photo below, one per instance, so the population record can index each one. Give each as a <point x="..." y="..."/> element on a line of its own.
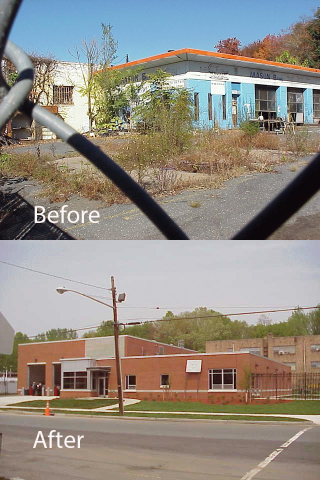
<point x="230" y="46"/>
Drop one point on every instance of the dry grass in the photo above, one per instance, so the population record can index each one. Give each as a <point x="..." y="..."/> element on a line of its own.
<point x="212" y="158"/>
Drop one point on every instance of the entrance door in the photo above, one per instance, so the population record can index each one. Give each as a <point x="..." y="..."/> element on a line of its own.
<point x="234" y="110"/>
<point x="102" y="386"/>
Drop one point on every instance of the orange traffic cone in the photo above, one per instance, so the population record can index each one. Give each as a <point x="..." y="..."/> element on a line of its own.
<point x="47" y="410"/>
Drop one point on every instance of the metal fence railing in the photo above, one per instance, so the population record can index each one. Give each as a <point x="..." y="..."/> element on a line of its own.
<point x="286" y="386"/>
<point x="291" y="199"/>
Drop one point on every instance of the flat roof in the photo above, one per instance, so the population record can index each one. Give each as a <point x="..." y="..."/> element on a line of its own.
<point x="187" y="54"/>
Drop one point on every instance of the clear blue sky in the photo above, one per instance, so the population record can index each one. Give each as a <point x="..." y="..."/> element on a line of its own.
<point x="144" y="28"/>
<point x="227" y="276"/>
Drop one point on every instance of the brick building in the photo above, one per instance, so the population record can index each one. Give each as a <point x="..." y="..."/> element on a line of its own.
<point x="150" y="370"/>
<point x="301" y="353"/>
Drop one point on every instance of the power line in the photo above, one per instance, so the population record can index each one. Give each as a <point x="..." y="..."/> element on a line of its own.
<point x="222" y="315"/>
<point x="54" y="276"/>
<point x="187" y="318"/>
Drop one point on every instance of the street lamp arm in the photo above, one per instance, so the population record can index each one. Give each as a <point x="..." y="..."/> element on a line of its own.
<point x="64" y="290"/>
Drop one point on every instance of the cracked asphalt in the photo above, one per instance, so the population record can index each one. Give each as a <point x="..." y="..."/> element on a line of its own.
<point x="214" y="214"/>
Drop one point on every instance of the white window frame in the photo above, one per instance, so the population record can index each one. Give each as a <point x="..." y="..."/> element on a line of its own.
<point x="130" y="386"/>
<point x="164" y="385"/>
<point x="222" y="371"/>
<point x="74" y="377"/>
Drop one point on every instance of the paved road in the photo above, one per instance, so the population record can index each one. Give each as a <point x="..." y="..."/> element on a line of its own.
<point x="164" y="450"/>
<point x="220" y="213"/>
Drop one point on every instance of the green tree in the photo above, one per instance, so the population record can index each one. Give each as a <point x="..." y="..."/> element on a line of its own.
<point x="166" y="110"/>
<point x="105" y="329"/>
<point x="314" y="321"/>
<point x="8" y="362"/>
<point x="99" y="54"/>
<point x="56" y="334"/>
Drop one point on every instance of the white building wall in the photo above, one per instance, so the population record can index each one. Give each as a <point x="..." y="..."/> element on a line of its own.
<point x="76" y="115"/>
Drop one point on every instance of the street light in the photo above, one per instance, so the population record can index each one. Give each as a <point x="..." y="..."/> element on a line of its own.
<point x="115" y="329"/>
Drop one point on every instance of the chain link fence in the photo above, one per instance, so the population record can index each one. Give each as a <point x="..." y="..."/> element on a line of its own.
<point x="290" y="200"/>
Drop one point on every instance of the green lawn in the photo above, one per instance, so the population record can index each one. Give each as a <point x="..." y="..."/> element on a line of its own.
<point x="297" y="407"/>
<point x="245" y="418"/>
<point x="68" y="403"/>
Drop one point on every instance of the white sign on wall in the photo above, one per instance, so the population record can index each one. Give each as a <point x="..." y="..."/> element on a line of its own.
<point x="218" y="88"/>
<point x="193" y="366"/>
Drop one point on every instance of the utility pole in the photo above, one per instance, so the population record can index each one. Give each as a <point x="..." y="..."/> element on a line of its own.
<point x="116" y="346"/>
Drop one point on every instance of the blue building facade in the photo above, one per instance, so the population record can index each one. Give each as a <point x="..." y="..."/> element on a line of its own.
<point x="229" y="89"/>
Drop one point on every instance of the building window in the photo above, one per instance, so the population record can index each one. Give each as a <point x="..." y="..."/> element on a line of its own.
<point x="131" y="382"/>
<point x="161" y="350"/>
<point x="315" y="348"/>
<point x="75" y="380"/>
<point x="255" y="350"/>
<point x="290" y="364"/>
<point x="315" y="364"/>
<point x="62" y="95"/>
<point x="196" y="106"/>
<point x="316" y="103"/>
<point x="224" y="379"/>
<point x="165" y="381"/>
<point x="266" y="101"/>
<point x="210" y="106"/>
<point x="224" y="108"/>
<point x="284" y="350"/>
<point x="295" y="102"/>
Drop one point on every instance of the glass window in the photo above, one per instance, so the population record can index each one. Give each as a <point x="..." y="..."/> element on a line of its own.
<point x="75" y="380"/>
<point x="315" y="348"/>
<point x="223" y="379"/>
<point x="131" y="382"/>
<point x="284" y="350"/>
<point x="316" y="103"/>
<point x="266" y="100"/>
<point x="255" y="350"/>
<point x="164" y="381"/>
<point x="295" y="100"/>
<point x="315" y="364"/>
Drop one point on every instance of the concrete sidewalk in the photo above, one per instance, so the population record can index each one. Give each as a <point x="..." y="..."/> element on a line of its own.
<point x="9" y="400"/>
<point x="311" y="418"/>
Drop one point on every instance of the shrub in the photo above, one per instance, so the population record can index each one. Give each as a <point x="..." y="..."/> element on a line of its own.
<point x="250" y="129"/>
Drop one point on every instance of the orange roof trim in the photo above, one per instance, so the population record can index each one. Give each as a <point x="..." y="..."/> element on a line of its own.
<point x="214" y="54"/>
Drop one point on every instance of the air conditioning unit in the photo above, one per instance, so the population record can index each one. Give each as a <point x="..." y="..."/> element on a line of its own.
<point x="281" y="352"/>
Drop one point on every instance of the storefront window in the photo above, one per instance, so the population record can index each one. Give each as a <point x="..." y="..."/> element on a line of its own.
<point x="266" y="101"/>
<point x="75" y="380"/>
